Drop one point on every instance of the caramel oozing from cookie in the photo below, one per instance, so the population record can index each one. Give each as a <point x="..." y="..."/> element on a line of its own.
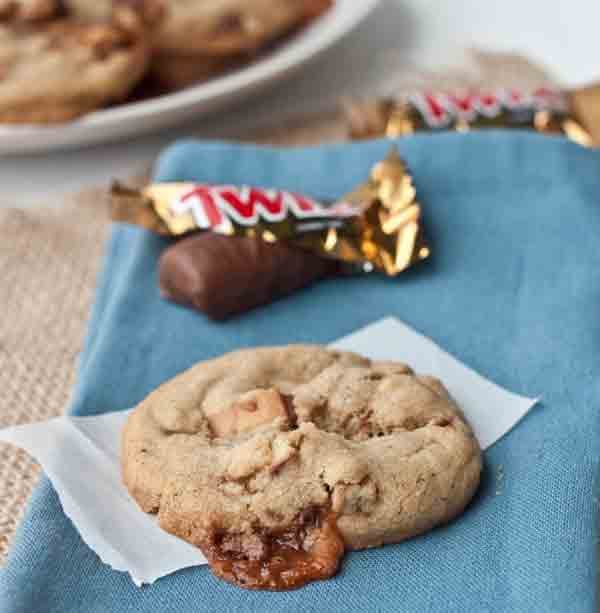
<point x="283" y="560"/>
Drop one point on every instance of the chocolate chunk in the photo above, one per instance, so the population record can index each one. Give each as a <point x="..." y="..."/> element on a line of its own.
<point x="227" y="275"/>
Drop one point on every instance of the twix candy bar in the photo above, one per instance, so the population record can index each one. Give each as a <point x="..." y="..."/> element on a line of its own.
<point x="575" y="114"/>
<point x="243" y="247"/>
<point x="375" y="227"/>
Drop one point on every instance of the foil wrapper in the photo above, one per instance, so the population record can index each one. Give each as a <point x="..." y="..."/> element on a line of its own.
<point x="574" y="114"/>
<point x="376" y="227"/>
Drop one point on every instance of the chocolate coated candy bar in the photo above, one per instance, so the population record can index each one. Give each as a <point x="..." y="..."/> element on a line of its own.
<point x="226" y="275"/>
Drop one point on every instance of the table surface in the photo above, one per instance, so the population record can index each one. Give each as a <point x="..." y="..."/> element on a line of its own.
<point x="400" y="35"/>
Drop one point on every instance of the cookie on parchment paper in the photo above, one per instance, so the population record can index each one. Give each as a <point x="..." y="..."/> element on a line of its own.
<point x="275" y="460"/>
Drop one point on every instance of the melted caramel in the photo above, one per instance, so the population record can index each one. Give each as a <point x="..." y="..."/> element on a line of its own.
<point x="285" y="560"/>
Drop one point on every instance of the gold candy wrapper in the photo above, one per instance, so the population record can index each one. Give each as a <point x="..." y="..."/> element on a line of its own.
<point x="575" y="114"/>
<point x="375" y="227"/>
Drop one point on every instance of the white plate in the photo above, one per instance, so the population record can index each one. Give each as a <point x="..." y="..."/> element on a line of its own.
<point x="131" y="119"/>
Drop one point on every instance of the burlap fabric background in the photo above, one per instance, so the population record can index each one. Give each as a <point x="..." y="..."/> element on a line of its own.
<point x="49" y="260"/>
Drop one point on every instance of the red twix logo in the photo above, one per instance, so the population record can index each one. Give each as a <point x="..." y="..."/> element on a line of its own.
<point x="214" y="207"/>
<point x="439" y="109"/>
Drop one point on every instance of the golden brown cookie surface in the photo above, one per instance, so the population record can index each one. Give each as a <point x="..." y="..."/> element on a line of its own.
<point x="209" y="28"/>
<point x="174" y="72"/>
<point x="273" y="460"/>
<point x="30" y="10"/>
<point x="229" y="27"/>
<point x="59" y="70"/>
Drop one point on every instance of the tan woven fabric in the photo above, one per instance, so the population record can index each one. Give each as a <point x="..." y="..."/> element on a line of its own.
<point x="48" y="264"/>
<point x="49" y="259"/>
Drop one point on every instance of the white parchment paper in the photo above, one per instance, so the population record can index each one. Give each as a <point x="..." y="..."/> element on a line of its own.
<point x="80" y="455"/>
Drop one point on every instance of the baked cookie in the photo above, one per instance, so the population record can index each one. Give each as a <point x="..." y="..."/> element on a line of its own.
<point x="229" y="27"/>
<point x="59" y="70"/>
<point x="29" y="10"/>
<point x="192" y="41"/>
<point x="275" y="460"/>
<point x="150" y="12"/>
<point x="208" y="27"/>
<point x="173" y="72"/>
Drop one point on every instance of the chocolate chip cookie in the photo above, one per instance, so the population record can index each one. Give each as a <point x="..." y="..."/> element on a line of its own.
<point x="275" y="460"/>
<point x="227" y="27"/>
<point x="197" y="40"/>
<point x="210" y="28"/>
<point x="174" y="72"/>
<point x="58" y="70"/>
<point x="193" y="41"/>
<point x="30" y="10"/>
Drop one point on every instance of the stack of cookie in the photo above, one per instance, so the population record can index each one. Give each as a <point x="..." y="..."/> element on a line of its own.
<point x="61" y="59"/>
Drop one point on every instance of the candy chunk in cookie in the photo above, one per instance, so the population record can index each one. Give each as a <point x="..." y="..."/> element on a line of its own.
<point x="252" y="410"/>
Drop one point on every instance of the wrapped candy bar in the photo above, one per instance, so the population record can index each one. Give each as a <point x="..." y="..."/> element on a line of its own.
<point x="269" y="242"/>
<point x="575" y="114"/>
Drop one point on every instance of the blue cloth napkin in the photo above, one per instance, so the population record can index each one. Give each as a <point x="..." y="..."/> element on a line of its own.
<point x="512" y="289"/>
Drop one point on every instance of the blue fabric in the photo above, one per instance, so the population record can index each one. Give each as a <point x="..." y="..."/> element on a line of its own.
<point x="512" y="289"/>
